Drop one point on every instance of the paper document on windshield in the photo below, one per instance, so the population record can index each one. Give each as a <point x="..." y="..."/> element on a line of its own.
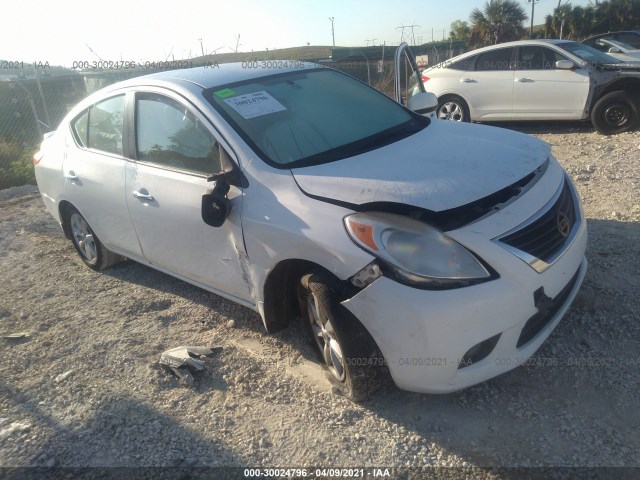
<point x="255" y="104"/>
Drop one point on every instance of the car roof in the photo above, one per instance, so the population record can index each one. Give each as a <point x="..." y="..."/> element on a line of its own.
<point x="546" y="41"/>
<point x="199" y="78"/>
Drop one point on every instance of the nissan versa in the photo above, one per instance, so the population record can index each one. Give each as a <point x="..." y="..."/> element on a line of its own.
<point x="442" y="253"/>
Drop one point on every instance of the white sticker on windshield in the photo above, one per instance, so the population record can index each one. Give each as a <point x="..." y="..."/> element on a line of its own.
<point x="255" y="104"/>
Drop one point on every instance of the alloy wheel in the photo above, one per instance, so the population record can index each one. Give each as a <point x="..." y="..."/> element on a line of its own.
<point x="451" y="111"/>
<point x="83" y="238"/>
<point x="326" y="339"/>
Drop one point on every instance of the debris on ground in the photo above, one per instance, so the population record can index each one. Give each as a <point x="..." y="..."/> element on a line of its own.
<point x="14" y="336"/>
<point x="63" y="376"/>
<point x="182" y="361"/>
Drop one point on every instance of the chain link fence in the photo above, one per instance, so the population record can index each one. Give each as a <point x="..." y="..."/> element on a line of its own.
<point x="375" y="66"/>
<point x="31" y="107"/>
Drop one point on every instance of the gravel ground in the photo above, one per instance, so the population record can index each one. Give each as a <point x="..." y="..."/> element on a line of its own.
<point x="85" y="390"/>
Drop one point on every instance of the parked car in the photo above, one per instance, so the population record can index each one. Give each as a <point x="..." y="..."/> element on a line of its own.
<point x="615" y="48"/>
<point x="538" y="80"/>
<point x="630" y="37"/>
<point x="443" y="254"/>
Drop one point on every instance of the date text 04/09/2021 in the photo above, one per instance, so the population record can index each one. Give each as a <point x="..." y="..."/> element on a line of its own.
<point x="374" y="472"/>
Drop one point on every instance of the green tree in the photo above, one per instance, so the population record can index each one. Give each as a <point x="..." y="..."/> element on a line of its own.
<point x="459" y="30"/>
<point x="581" y="22"/>
<point x="499" y="21"/>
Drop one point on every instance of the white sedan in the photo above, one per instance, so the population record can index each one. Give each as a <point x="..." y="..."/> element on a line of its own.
<point x="538" y="80"/>
<point x="442" y="253"/>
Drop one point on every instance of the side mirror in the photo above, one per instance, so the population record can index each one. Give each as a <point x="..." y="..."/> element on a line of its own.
<point x="423" y="103"/>
<point x="564" y="64"/>
<point x="215" y="204"/>
<point x="614" y="50"/>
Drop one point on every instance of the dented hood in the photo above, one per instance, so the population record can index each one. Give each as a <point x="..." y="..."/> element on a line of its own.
<point x="444" y="166"/>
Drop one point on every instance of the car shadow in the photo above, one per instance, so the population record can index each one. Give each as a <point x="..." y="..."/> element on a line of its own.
<point x="123" y="438"/>
<point x="133" y="272"/>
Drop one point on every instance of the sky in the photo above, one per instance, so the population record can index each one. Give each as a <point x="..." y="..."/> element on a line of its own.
<point x="66" y="31"/>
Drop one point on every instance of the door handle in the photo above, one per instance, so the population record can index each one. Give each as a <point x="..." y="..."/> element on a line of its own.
<point x="71" y="176"/>
<point x="142" y="196"/>
<point x="467" y="80"/>
<point x="524" y="80"/>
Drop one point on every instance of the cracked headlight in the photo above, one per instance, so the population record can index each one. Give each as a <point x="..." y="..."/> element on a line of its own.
<point x="415" y="252"/>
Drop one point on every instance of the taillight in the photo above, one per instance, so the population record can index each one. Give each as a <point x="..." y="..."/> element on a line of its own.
<point x="37" y="157"/>
<point x="425" y="78"/>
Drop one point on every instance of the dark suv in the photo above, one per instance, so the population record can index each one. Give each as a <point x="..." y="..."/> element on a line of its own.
<point x="630" y="37"/>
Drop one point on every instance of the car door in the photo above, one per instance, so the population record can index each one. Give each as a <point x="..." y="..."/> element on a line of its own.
<point x="408" y="81"/>
<point x="175" y="151"/>
<point x="543" y="91"/>
<point x="488" y="88"/>
<point x="94" y="172"/>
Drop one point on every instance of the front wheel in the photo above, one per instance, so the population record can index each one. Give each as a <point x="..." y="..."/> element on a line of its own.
<point x="354" y="363"/>
<point x="92" y="252"/>
<point x="615" y="112"/>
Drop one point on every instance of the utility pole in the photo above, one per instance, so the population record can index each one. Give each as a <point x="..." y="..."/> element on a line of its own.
<point x="533" y="8"/>
<point x="201" y="47"/>
<point x="333" y="32"/>
<point x="237" y="43"/>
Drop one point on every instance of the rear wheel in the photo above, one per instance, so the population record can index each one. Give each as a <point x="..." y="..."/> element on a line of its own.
<point x="354" y="363"/>
<point x="453" y="108"/>
<point x="615" y="112"/>
<point x="92" y="252"/>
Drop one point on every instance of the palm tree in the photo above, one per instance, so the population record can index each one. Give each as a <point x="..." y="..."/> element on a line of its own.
<point x="499" y="21"/>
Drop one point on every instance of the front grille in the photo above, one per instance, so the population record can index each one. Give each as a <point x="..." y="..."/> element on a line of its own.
<point x="546" y="236"/>
<point x="541" y="319"/>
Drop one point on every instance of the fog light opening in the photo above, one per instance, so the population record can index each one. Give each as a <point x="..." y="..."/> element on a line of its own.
<point x="479" y="352"/>
<point x="366" y="276"/>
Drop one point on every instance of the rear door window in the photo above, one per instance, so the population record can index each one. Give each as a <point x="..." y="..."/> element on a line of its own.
<point x="105" y="125"/>
<point x="499" y="59"/>
<point x="464" y="64"/>
<point x="100" y="127"/>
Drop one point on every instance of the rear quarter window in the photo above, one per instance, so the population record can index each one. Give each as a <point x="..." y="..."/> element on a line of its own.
<point x="462" y="65"/>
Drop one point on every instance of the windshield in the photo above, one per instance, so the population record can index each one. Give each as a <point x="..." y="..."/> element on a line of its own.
<point x="618" y="43"/>
<point x="587" y="53"/>
<point x="313" y="116"/>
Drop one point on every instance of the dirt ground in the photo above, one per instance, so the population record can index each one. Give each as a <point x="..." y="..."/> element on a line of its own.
<point x="262" y="402"/>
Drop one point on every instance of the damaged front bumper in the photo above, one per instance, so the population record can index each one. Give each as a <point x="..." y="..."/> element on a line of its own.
<point x="446" y="340"/>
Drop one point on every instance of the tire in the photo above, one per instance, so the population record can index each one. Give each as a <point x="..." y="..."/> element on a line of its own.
<point x="615" y="112"/>
<point x="349" y="353"/>
<point x="453" y="108"/>
<point x="90" y="249"/>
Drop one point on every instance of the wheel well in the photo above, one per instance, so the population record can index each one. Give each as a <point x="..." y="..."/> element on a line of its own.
<point x="451" y="95"/>
<point x="280" y="291"/>
<point x="628" y="85"/>
<point x="63" y="206"/>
